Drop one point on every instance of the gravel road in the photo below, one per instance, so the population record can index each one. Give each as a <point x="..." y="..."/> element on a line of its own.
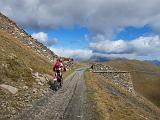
<point x="68" y="103"/>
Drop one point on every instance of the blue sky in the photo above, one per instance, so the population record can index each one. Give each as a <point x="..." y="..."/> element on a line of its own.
<point x="74" y="38"/>
<point x="130" y="33"/>
<point x="69" y="38"/>
<point x="85" y="28"/>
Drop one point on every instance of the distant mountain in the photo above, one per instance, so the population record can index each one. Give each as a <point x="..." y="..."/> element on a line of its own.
<point x="99" y="58"/>
<point x="155" y="62"/>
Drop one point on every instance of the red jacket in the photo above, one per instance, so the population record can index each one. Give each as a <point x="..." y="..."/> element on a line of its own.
<point x="59" y="66"/>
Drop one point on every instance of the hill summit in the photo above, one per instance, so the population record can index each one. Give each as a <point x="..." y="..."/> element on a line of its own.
<point x="18" y="33"/>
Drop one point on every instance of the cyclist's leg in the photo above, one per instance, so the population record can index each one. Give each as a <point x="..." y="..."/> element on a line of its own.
<point x="59" y="74"/>
<point x="61" y="79"/>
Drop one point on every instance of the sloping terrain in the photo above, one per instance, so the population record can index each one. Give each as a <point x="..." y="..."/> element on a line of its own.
<point x="145" y="77"/>
<point x="25" y="68"/>
<point x="18" y="61"/>
<point x="17" y="32"/>
<point x="17" y="65"/>
<point x="111" y="102"/>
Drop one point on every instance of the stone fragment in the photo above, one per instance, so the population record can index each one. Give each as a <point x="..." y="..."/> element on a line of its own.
<point x="11" y="89"/>
<point x="25" y="87"/>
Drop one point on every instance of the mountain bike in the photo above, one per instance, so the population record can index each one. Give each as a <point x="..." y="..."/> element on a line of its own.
<point x="56" y="82"/>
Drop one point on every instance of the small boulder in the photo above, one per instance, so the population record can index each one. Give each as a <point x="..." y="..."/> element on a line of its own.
<point x="34" y="90"/>
<point x="43" y="79"/>
<point x="11" y="89"/>
<point x="25" y="87"/>
<point x="40" y="83"/>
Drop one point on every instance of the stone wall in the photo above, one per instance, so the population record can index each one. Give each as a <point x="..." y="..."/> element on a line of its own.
<point x="18" y="33"/>
<point x="101" y="67"/>
<point x="121" y="78"/>
<point x="68" y="64"/>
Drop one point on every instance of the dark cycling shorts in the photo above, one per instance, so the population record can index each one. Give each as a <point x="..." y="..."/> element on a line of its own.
<point x="59" y="73"/>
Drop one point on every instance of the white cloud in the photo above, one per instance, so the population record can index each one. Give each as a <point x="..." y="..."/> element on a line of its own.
<point x="111" y="47"/>
<point x="100" y="16"/>
<point x="103" y="18"/>
<point x="43" y="38"/>
<point x="77" y="53"/>
<point x="146" y="45"/>
<point x="142" y="46"/>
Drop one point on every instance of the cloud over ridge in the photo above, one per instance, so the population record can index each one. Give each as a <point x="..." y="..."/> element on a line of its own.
<point x="139" y="46"/>
<point x="104" y="18"/>
<point x="42" y="37"/>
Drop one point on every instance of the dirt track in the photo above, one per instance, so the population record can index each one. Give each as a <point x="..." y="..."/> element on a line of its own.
<point x="68" y="103"/>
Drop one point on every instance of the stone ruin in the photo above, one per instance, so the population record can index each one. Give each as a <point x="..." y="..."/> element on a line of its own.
<point x="121" y="78"/>
<point x="68" y="62"/>
<point x="18" y="33"/>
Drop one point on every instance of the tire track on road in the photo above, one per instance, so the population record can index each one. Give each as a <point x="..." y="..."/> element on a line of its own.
<point x="53" y="105"/>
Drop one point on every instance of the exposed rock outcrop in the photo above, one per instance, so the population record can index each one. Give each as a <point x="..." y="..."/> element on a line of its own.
<point x="22" y="96"/>
<point x="18" y="33"/>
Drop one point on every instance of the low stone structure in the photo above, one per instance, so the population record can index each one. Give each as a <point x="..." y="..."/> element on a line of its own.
<point x="121" y="78"/>
<point x="68" y="62"/>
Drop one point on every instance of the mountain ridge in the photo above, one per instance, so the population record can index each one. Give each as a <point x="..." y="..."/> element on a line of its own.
<point x="18" y="33"/>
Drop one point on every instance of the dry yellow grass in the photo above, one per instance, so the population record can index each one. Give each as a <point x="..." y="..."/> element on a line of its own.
<point x="122" y="105"/>
<point x="146" y="77"/>
<point x="17" y="60"/>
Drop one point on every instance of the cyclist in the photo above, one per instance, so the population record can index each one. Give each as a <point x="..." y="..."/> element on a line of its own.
<point x="59" y="67"/>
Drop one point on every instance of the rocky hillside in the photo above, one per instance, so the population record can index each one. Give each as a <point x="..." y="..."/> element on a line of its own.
<point x="18" y="33"/>
<point x="25" y="65"/>
<point x="23" y="75"/>
<point x="145" y="77"/>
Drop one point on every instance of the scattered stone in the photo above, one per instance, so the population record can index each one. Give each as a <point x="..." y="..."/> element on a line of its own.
<point x="34" y="90"/>
<point x="39" y="83"/>
<point x="43" y="79"/>
<point x="35" y="75"/>
<point x="37" y="79"/>
<point x="25" y="87"/>
<point x="31" y="69"/>
<point x="27" y="100"/>
<point x="18" y="33"/>
<point x="11" y="89"/>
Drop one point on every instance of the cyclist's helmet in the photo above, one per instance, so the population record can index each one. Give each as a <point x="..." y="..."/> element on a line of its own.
<point x="60" y="59"/>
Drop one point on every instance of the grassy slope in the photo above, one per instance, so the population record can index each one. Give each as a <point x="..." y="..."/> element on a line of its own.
<point x="110" y="102"/>
<point x="17" y="60"/>
<point x="146" y="77"/>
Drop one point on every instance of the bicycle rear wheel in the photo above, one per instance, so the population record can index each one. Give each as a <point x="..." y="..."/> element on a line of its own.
<point x="55" y="86"/>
